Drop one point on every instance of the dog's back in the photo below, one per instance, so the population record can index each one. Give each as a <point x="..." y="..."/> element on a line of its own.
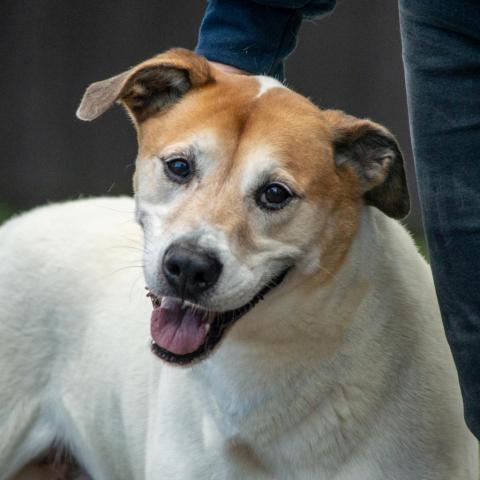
<point x="59" y="265"/>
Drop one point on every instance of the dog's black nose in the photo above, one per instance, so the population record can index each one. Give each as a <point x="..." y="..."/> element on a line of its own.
<point x="190" y="271"/>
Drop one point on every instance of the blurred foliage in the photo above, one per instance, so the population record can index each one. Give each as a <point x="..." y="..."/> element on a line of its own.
<point x="421" y="242"/>
<point x="6" y="211"/>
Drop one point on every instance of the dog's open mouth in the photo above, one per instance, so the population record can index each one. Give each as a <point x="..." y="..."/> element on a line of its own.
<point x="183" y="333"/>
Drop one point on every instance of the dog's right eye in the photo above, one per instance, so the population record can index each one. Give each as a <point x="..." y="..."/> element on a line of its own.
<point x="274" y="196"/>
<point x="179" y="170"/>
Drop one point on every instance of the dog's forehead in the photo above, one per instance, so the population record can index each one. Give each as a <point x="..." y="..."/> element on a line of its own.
<point x="243" y="120"/>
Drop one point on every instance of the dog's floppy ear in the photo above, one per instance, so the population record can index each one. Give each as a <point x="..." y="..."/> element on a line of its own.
<point x="148" y="87"/>
<point x="374" y="154"/>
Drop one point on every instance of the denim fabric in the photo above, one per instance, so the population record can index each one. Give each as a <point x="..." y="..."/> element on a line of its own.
<point x="441" y="52"/>
<point x="255" y="36"/>
<point x="309" y="8"/>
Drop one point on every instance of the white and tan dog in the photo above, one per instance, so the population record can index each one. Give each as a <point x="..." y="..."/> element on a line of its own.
<point x="304" y="318"/>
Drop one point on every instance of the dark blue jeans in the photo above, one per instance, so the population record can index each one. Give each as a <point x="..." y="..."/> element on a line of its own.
<point x="441" y="52"/>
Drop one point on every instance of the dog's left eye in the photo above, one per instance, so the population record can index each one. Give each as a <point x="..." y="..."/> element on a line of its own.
<point x="274" y="196"/>
<point x="179" y="170"/>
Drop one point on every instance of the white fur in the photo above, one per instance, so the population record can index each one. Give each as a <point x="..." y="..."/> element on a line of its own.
<point x="267" y="83"/>
<point x="352" y="382"/>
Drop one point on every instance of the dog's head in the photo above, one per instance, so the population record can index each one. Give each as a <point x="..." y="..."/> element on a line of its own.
<point x="240" y="183"/>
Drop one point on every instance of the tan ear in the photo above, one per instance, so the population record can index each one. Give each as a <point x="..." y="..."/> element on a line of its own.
<point x="148" y="87"/>
<point x="372" y="151"/>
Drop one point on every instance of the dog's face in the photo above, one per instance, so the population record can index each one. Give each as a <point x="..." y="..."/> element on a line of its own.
<point x="240" y="184"/>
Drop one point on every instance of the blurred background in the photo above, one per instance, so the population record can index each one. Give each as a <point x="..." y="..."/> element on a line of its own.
<point x="52" y="49"/>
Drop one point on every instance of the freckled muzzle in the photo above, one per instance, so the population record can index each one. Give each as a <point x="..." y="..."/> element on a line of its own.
<point x="184" y="333"/>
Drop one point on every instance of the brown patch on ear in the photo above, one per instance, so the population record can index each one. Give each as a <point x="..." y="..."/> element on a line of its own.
<point x="153" y="88"/>
<point x="373" y="153"/>
<point x="148" y="87"/>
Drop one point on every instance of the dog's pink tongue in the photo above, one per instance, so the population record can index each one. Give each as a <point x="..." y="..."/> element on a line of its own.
<point x="178" y="329"/>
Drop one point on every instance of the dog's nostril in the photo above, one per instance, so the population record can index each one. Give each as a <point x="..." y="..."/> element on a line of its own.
<point x="173" y="268"/>
<point x="200" y="278"/>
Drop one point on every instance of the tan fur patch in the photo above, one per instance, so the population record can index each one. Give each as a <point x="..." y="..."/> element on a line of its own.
<point x="292" y="127"/>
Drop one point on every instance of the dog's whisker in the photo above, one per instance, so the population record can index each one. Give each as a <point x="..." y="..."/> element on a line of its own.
<point x="132" y="247"/>
<point x="130" y="212"/>
<point x="121" y="269"/>
<point x="134" y="283"/>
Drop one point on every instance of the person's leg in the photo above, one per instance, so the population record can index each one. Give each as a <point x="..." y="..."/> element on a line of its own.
<point x="255" y="36"/>
<point x="441" y="52"/>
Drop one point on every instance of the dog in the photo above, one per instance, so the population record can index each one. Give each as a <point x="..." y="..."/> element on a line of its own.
<point x="295" y="331"/>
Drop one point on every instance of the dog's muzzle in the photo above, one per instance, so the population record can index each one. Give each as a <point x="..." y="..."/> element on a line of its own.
<point x="184" y="332"/>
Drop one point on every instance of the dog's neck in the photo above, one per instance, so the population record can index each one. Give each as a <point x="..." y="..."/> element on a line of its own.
<point x="290" y="347"/>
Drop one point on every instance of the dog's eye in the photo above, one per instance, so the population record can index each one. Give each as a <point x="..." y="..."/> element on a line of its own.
<point x="179" y="169"/>
<point x="274" y="196"/>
